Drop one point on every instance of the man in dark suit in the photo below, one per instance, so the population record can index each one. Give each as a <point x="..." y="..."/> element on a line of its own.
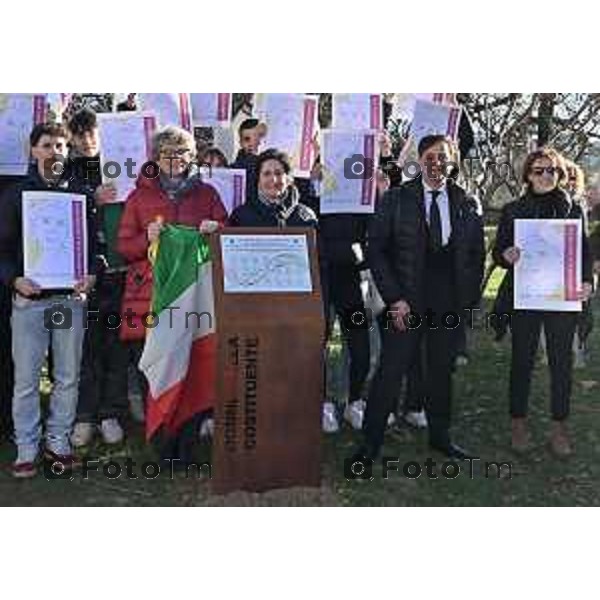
<point x="426" y="253"/>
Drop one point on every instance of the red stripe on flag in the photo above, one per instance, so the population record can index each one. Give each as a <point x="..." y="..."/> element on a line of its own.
<point x="571" y="262"/>
<point x="187" y="398"/>
<point x="308" y="126"/>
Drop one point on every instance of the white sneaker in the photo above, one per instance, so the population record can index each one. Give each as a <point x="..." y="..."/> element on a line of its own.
<point x="579" y="361"/>
<point x="354" y="413"/>
<point x="83" y="434"/>
<point x="207" y="429"/>
<point x="330" y="422"/>
<point x="416" y="419"/>
<point x="112" y="432"/>
<point x="462" y="360"/>
<point x="391" y="420"/>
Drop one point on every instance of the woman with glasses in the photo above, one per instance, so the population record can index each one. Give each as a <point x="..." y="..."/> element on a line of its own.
<point x="544" y="174"/>
<point x="170" y="193"/>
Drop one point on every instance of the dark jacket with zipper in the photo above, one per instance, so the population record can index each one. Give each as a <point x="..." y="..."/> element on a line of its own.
<point x="398" y="238"/>
<point x="291" y="212"/>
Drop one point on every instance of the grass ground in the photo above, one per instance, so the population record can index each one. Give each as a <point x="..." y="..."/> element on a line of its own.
<point x="481" y="424"/>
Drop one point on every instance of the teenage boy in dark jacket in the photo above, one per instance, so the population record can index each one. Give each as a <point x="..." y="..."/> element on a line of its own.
<point x="32" y="307"/>
<point x="251" y="133"/>
<point x="103" y="402"/>
<point x="343" y="253"/>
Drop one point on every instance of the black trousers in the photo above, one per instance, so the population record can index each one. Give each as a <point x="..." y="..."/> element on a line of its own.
<point x="400" y="350"/>
<point x="135" y="349"/>
<point x="342" y="298"/>
<point x="103" y="383"/>
<point x="397" y="355"/>
<point x="560" y="330"/>
<point x="461" y="335"/>
<point x="416" y="388"/>
<point x="6" y="363"/>
<point x="414" y="391"/>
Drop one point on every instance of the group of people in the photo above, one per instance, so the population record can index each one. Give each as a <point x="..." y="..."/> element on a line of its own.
<point x="424" y="249"/>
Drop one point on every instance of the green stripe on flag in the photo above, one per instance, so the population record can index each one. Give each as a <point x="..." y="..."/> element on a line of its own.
<point x="181" y="251"/>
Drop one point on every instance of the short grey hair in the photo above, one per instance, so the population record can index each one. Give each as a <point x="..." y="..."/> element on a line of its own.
<point x="172" y="136"/>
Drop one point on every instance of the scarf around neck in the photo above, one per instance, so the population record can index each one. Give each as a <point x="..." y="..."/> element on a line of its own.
<point x="176" y="187"/>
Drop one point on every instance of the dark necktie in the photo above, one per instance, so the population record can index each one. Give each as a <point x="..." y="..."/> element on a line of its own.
<point x="435" y="222"/>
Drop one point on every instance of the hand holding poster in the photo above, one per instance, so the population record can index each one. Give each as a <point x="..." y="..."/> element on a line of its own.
<point x="291" y="121"/>
<point x="125" y="142"/>
<point x="55" y="250"/>
<point x="211" y="110"/>
<point x="169" y="109"/>
<point x="350" y="161"/>
<point x="18" y="114"/>
<point x="230" y="185"/>
<point x="548" y="275"/>
<point x="357" y="111"/>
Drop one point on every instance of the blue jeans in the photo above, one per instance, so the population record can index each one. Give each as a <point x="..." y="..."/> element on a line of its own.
<point x="31" y="339"/>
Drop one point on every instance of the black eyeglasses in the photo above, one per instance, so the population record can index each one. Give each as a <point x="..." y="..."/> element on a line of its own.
<point x="539" y="171"/>
<point x="175" y="152"/>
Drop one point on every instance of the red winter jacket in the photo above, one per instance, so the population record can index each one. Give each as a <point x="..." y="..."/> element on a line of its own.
<point x="147" y="203"/>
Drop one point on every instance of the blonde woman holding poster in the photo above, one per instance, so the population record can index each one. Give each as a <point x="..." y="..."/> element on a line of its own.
<point x="543" y="174"/>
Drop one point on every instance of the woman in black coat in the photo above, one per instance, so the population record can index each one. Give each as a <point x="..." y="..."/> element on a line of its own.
<point x="543" y="173"/>
<point x="278" y="202"/>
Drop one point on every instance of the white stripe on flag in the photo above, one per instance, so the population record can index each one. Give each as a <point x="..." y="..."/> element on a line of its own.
<point x="166" y="356"/>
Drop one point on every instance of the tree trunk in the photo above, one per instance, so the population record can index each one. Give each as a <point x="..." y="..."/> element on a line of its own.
<point x="545" y="118"/>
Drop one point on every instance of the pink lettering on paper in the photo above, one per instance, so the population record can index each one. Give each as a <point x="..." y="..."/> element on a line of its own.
<point x="184" y="112"/>
<point x="77" y="222"/>
<point x="376" y="120"/>
<point x="368" y="184"/>
<point x="237" y="190"/>
<point x="308" y="126"/>
<point x="40" y="107"/>
<point x="149" y="129"/>
<point x="453" y="118"/>
<point x="223" y="107"/>
<point x="571" y="262"/>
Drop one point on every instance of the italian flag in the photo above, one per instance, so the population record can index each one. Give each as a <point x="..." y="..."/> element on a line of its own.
<point x="179" y="358"/>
